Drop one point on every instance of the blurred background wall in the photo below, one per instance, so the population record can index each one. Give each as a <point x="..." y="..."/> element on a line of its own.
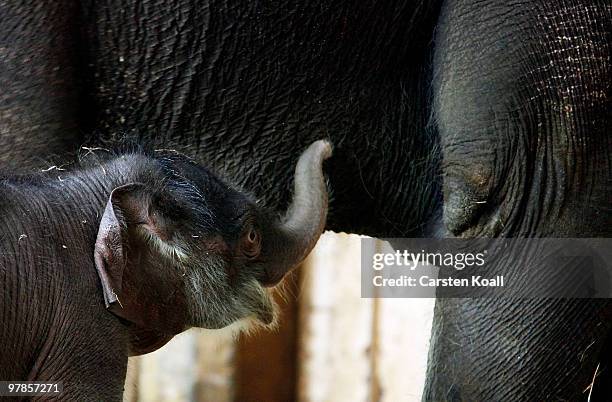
<point x="331" y="345"/>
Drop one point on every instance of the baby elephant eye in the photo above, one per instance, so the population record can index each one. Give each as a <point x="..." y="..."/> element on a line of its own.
<point x="251" y="243"/>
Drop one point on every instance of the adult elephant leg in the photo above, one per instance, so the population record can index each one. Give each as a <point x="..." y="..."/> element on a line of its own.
<point x="518" y="350"/>
<point x="523" y="107"/>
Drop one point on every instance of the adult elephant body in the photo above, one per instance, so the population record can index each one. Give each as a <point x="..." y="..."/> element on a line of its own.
<point x="448" y="118"/>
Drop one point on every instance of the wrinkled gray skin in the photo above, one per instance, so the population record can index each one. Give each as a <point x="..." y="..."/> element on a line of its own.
<point x="172" y="246"/>
<point x="470" y="118"/>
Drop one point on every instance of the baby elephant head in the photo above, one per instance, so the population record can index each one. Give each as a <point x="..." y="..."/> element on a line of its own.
<point x="182" y="249"/>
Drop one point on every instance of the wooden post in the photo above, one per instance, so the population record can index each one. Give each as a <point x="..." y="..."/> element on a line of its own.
<point x="403" y="329"/>
<point x="336" y="325"/>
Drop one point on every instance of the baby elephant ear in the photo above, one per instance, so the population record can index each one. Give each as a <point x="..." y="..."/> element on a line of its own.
<point x="109" y="253"/>
<point x="125" y="292"/>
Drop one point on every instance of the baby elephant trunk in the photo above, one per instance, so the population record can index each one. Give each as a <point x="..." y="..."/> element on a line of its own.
<point x="294" y="237"/>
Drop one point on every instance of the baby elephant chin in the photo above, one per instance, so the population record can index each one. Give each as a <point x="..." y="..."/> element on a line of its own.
<point x="249" y="304"/>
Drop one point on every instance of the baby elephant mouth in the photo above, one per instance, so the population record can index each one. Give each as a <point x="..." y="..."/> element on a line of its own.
<point x="268" y="315"/>
<point x="261" y="306"/>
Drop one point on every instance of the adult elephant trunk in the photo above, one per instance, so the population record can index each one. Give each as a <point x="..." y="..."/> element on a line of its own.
<point x="287" y="244"/>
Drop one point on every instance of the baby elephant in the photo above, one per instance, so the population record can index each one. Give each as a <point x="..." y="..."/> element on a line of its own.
<point x="159" y="241"/>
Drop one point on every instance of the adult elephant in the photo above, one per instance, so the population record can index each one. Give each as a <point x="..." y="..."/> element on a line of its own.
<point x="470" y="118"/>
